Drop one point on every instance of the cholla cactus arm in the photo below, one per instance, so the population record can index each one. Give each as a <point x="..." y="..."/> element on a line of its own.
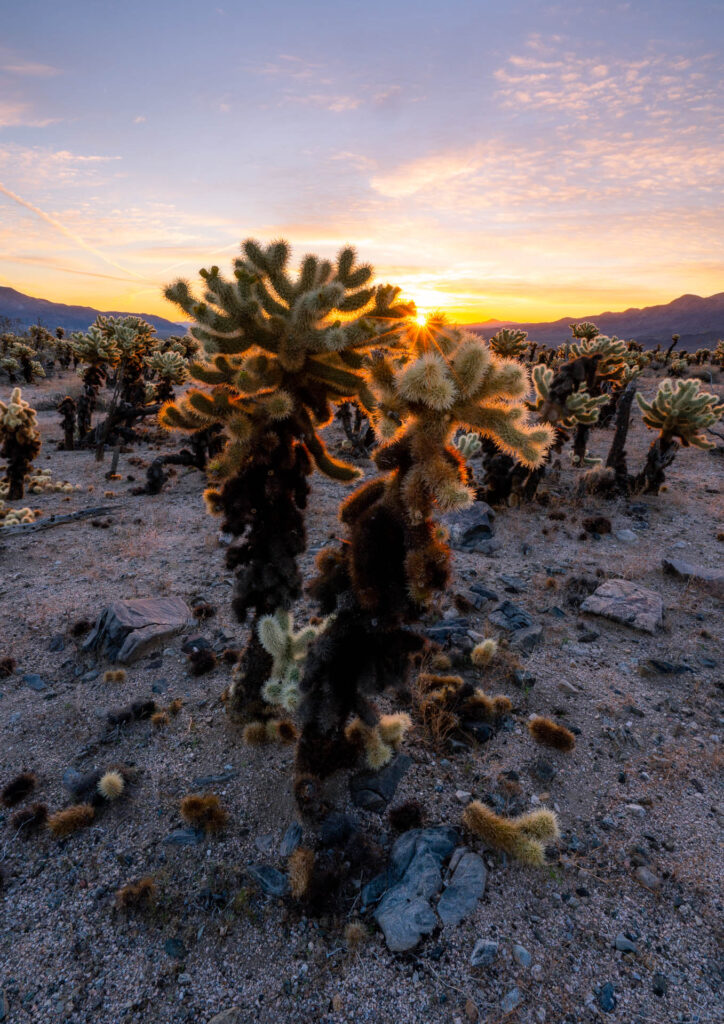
<point x="19" y="441"/>
<point x="288" y="650"/>
<point x="612" y="353"/>
<point x="681" y="410"/>
<point x="509" y="343"/>
<point x="468" y="445"/>
<point x="585" y="330"/>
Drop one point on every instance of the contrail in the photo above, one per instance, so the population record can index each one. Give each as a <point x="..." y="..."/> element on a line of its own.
<point x="4" y="190"/>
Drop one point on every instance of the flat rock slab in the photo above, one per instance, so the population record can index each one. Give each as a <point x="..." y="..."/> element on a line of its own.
<point x="628" y="603"/>
<point x="470" y="529"/>
<point x="509" y="616"/>
<point x="126" y="630"/>
<point x="374" y="790"/>
<point x="712" y="579"/>
<point x="465" y="889"/>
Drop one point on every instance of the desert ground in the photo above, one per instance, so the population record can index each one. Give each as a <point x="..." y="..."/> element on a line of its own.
<point x="623" y="923"/>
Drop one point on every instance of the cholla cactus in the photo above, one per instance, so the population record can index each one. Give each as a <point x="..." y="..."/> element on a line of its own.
<point x="585" y="330"/>
<point x="681" y="412"/>
<point x="170" y="368"/>
<point x="19" y="441"/>
<point x="11" y="366"/>
<point x="579" y="407"/>
<point x="395" y="557"/>
<point x="288" y="650"/>
<point x="718" y="354"/>
<point x="278" y="350"/>
<point x="469" y="445"/>
<point x="15" y="516"/>
<point x="678" y="367"/>
<point x="508" y="343"/>
<point x="30" y="367"/>
<point x="133" y="337"/>
<point x="611" y="366"/>
<point x="99" y="351"/>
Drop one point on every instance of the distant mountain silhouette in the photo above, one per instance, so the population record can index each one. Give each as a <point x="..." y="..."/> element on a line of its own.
<point x="699" y="322"/>
<point x="24" y="310"/>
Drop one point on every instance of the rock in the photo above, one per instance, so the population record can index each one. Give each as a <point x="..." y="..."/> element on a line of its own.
<point x="483" y="592"/>
<point x="521" y="955"/>
<point x="526" y="640"/>
<point x="627" y="536"/>
<point x="56" y="644"/>
<point x="624" y="945"/>
<point x="512" y="999"/>
<point x="3" y="1005"/>
<point x="374" y="790"/>
<point x="471" y="528"/>
<point x="465" y="889"/>
<point x="666" y="668"/>
<point x="509" y="616"/>
<point x="204" y="781"/>
<point x="484" y="953"/>
<point x="543" y="770"/>
<point x="565" y="687"/>
<point x="35" y="682"/>
<point x="175" y="948"/>
<point x="647" y="878"/>
<point x="636" y="809"/>
<point x="627" y="603"/>
<point x="273" y="882"/>
<point x="230" y="1016"/>
<point x="523" y="678"/>
<point x="404" y="912"/>
<point x="292" y="839"/>
<point x="660" y="984"/>
<point x="712" y="579"/>
<point x="126" y="630"/>
<point x="512" y="584"/>
<point x="607" y="998"/>
<point x="184" y="837"/>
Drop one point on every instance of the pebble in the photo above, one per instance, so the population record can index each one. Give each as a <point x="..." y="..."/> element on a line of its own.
<point x="627" y="536"/>
<point x="34" y="682"/>
<point x="607" y="998"/>
<point x="522" y="956"/>
<point x="175" y="948"/>
<point x="291" y="840"/>
<point x="484" y="952"/>
<point x="636" y="809"/>
<point x="624" y="945"/>
<point x="512" y="999"/>
<point x="647" y="878"/>
<point x="660" y="984"/>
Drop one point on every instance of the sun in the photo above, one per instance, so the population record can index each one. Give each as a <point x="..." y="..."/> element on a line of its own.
<point x="421" y="319"/>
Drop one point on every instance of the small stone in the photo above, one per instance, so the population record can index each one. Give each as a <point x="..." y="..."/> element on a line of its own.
<point x="565" y="687"/>
<point x="509" y="1002"/>
<point x="647" y="878"/>
<point x="230" y="1016"/>
<point x="373" y="791"/>
<point x="56" y="644"/>
<point x="510" y="617"/>
<point x="660" y="984"/>
<point x="184" y="837"/>
<point x="273" y="882"/>
<point x="624" y="945"/>
<point x="484" y="953"/>
<point x="465" y="889"/>
<point x="626" y="536"/>
<point x="607" y="998"/>
<point x="636" y="809"/>
<point x="175" y="948"/>
<point x="522" y="956"/>
<point x="34" y="682"/>
<point x="204" y="781"/>
<point x="526" y="640"/>
<point x="291" y="840"/>
<point x="463" y="796"/>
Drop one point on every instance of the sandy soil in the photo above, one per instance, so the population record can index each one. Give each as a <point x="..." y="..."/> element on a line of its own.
<point x="646" y="738"/>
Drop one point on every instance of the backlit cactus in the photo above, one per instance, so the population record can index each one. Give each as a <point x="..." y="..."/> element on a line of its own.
<point x="170" y="368"/>
<point x="509" y="343"/>
<point x="278" y="349"/>
<point x="579" y="406"/>
<point x="19" y="441"/>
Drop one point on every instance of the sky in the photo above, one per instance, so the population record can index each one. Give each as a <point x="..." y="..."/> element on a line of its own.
<point x="516" y="160"/>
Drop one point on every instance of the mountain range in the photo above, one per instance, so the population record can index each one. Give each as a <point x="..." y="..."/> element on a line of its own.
<point x="699" y="321"/>
<point x="24" y="310"/>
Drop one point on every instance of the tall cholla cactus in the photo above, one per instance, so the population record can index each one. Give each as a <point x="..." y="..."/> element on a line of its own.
<point x="170" y="368"/>
<point x="718" y="353"/>
<point x="681" y="412"/>
<point x="395" y="557"/>
<point x="278" y="350"/>
<point x="509" y="343"/>
<point x="99" y="350"/>
<point x="19" y="441"/>
<point x="579" y="406"/>
<point x="133" y="337"/>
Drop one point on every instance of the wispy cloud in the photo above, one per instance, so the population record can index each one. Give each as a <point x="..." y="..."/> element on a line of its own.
<point x="29" y="69"/>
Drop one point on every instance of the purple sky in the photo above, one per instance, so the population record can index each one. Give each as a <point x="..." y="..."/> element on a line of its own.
<point x="522" y="160"/>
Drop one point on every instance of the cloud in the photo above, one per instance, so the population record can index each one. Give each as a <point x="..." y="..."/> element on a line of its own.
<point x="30" y="69"/>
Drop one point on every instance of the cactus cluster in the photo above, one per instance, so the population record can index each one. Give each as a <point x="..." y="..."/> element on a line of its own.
<point x="19" y="442"/>
<point x="509" y="343"/>
<point x="523" y="837"/>
<point x="578" y="406"/>
<point x="278" y="349"/>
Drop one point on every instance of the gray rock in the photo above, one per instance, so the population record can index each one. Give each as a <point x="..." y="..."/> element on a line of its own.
<point x="465" y="889"/>
<point x="273" y="882"/>
<point x="56" y="644"/>
<point x="175" y="948"/>
<point x="404" y="912"/>
<point x="627" y="536"/>
<point x="35" y="682"/>
<point x="521" y="955"/>
<point x="647" y="878"/>
<point x="204" y="781"/>
<point x="660" y="984"/>
<point x="509" y="1002"/>
<point x="628" y="603"/>
<point x="374" y="790"/>
<point x="509" y="616"/>
<point x="230" y="1016"/>
<point x="126" y="630"/>
<point x="712" y="579"/>
<point x="607" y="998"/>
<point x="471" y="528"/>
<point x="513" y="584"/>
<point x="484" y="953"/>
<point x="526" y="640"/>
<point x="624" y="945"/>
<point x="292" y="839"/>
<point x="184" y="837"/>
